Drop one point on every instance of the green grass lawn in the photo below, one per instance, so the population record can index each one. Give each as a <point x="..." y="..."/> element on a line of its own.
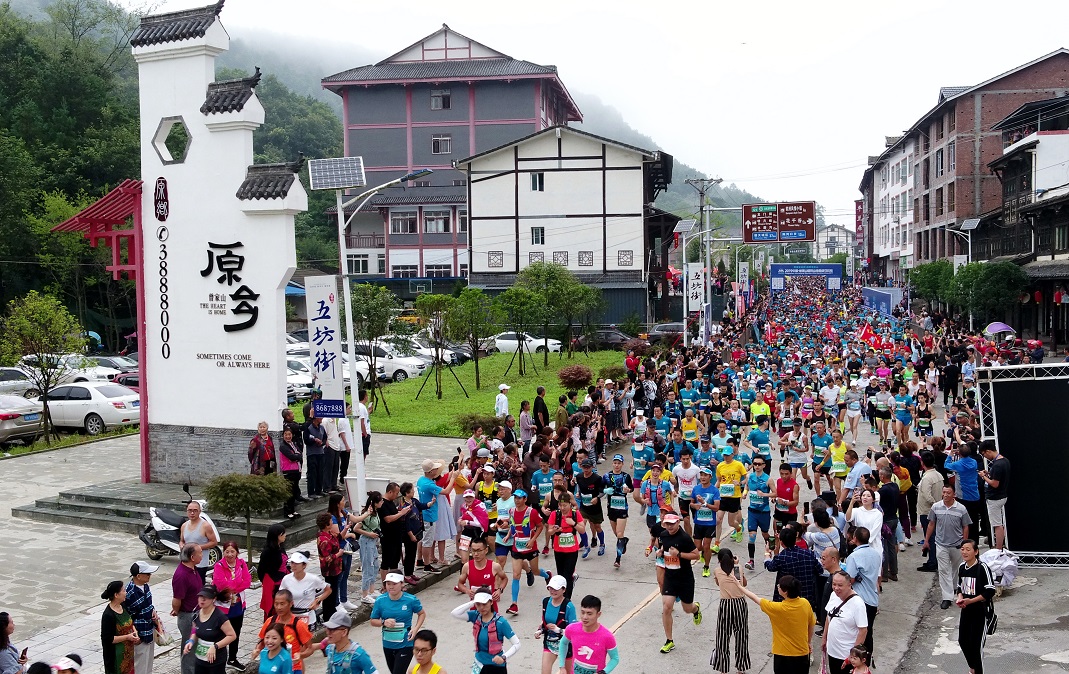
<point x="67" y="440"/>
<point x="430" y="416"/>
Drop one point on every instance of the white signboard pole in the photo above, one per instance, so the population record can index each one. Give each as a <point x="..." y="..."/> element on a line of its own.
<point x="325" y="345"/>
<point x="695" y="289"/>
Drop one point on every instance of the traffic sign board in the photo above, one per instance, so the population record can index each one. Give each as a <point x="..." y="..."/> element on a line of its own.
<point x="760" y="223"/>
<point x="788" y="222"/>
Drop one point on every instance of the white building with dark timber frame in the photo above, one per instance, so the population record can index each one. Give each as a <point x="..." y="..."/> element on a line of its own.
<point x="583" y="201"/>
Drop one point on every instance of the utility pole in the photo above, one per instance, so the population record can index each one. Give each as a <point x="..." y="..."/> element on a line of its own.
<point x="702" y="185"/>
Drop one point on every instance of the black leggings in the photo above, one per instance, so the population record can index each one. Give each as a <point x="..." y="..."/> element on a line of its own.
<point x="294" y="478"/>
<point x="410" y="555"/>
<point x="971" y="636"/>
<point x="911" y="501"/>
<point x="566" y="562"/>
<point x="391" y="554"/>
<point x="398" y="659"/>
<point x="837" y="666"/>
<point x="330" y="604"/>
<point x="235" y="622"/>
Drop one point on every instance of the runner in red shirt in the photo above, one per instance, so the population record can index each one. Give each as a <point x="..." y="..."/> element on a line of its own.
<point x="787" y="494"/>
<point x="481" y="572"/>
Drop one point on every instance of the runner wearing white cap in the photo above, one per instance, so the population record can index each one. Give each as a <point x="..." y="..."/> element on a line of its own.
<point x="394" y="613"/>
<point x="495" y="640"/>
<point x="557" y="613"/>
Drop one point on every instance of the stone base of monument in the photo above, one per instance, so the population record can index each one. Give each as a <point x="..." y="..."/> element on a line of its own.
<point x="196" y="454"/>
<point x="122" y="506"/>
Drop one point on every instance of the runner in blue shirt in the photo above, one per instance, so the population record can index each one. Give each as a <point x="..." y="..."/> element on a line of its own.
<point x="760" y="439"/>
<point x="641" y="457"/>
<point x="542" y="480"/>
<point x="759" y="515"/>
<point x="705" y="502"/>
<point x="662" y="422"/>
<point x="393" y="612"/>
<point x="903" y="414"/>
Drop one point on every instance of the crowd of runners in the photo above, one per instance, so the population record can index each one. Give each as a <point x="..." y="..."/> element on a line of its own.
<point x="809" y="436"/>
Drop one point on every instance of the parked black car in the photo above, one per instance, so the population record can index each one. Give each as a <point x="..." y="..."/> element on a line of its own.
<point x="603" y="340"/>
<point x="665" y="332"/>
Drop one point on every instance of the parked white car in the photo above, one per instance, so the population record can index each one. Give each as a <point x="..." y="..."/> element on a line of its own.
<point x="509" y="342"/>
<point x="297" y="359"/>
<point x="13" y="381"/>
<point x="93" y="406"/>
<point x="74" y="367"/>
<point x="300" y="382"/>
<point x="398" y="367"/>
<point x="424" y="347"/>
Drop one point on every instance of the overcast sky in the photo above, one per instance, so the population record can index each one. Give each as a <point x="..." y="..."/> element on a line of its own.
<point x="785" y="99"/>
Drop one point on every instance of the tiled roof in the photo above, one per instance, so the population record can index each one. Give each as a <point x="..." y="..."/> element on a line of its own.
<point x="269" y="181"/>
<point x="950" y="92"/>
<point x="616" y="279"/>
<point x="230" y="95"/>
<point x="1047" y="269"/>
<point x="175" y="26"/>
<point x="441" y="70"/>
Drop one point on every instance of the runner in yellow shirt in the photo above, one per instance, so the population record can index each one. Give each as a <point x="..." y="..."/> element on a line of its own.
<point x="730" y="475"/>
<point x="839" y="469"/>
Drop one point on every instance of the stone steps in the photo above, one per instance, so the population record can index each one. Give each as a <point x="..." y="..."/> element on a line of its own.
<point x="105" y="507"/>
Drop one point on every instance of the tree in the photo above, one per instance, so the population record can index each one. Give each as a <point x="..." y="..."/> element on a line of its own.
<point x="838" y="258"/>
<point x="240" y="495"/>
<point x="473" y="318"/>
<point x="555" y="286"/>
<point x="961" y="290"/>
<point x="433" y="310"/>
<point x="932" y="281"/>
<point x="522" y="308"/>
<point x="998" y="288"/>
<point x="40" y="327"/>
<point x="373" y="309"/>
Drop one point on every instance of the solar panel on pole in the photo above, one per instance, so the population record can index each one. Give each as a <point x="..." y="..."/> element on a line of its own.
<point x="337" y="173"/>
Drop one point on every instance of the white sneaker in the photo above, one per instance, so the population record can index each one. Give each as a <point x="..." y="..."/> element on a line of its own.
<point x="349" y="606"/>
<point x="368" y="600"/>
<point x="901" y="547"/>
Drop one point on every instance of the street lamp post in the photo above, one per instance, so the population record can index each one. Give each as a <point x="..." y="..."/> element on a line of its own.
<point x="343" y="256"/>
<point x="965" y="233"/>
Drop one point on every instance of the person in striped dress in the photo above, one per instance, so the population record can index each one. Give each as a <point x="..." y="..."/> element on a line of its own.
<point x="732" y="616"/>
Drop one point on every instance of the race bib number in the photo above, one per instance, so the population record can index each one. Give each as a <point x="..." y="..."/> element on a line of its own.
<point x="839" y="467"/>
<point x="465" y="543"/>
<point x="716" y="416"/>
<point x="580" y="668"/>
<point x="727" y="490"/>
<point x="545" y="489"/>
<point x="924" y="422"/>
<point x="523" y="543"/>
<point x="684" y="494"/>
<point x="690" y="435"/>
<point x="617" y="502"/>
<point x="764" y="448"/>
<point x="881" y="406"/>
<point x="671" y="561"/>
<point x="394" y="635"/>
<point x="705" y="515"/>
<point x="566" y="540"/>
<point x="476" y="667"/>
<point x="201" y="649"/>
<point x="552" y="641"/>
<point x="588" y="499"/>
<point x="781" y="506"/>
<point x="855" y="406"/>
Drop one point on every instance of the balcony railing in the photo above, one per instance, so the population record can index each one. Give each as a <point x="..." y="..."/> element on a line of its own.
<point x="365" y="241"/>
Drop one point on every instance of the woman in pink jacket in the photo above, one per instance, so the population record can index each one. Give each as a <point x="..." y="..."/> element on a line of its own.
<point x="231" y="578"/>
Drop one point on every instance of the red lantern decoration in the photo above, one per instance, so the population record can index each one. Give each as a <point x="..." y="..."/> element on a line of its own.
<point x="1039" y="297"/>
<point x="1057" y="297"/>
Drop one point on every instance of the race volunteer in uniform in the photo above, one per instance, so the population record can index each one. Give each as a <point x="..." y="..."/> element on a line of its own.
<point x="758" y="516"/>
<point x="729" y="480"/>
<point x="618" y="485"/>
<point x="679" y="551"/>
<point x="705" y="503"/>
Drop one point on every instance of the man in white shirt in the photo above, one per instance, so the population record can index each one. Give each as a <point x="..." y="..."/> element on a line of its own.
<point x="362" y="422"/>
<point x="345" y="433"/>
<point x="501" y="403"/>
<point x="331" y="457"/>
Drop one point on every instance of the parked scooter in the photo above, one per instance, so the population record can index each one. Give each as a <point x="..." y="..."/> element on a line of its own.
<point x="161" y="536"/>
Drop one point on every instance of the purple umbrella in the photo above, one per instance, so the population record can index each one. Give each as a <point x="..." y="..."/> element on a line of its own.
<point x="997" y="327"/>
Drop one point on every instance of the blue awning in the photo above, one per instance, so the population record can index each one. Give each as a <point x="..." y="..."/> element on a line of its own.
<point x="294" y="290"/>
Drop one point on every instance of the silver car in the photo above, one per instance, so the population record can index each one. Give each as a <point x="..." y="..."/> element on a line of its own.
<point x="14" y="381"/>
<point x="19" y="418"/>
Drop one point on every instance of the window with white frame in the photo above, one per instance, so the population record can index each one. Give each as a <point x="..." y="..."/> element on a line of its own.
<point x="358" y="264"/>
<point x="940" y="167"/>
<point x="538" y="182"/>
<point x="442" y="143"/>
<point x="404" y="222"/>
<point x="440" y="99"/>
<point x="436" y="222"/>
<point x="538" y="236"/>
<point x="460" y="183"/>
<point x="382" y="263"/>
<point x="951" y="155"/>
<point x="438" y="270"/>
<point x="463" y="270"/>
<point x="404" y="271"/>
<point x="462" y="220"/>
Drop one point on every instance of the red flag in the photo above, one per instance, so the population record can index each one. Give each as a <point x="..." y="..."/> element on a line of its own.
<point x="865" y="334"/>
<point x="829" y="331"/>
